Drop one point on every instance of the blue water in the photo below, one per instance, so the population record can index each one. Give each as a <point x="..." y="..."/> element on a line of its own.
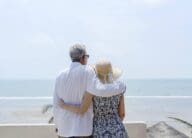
<point x="142" y="102"/>
<point x="159" y="87"/>
<point x="26" y="88"/>
<point x="155" y="87"/>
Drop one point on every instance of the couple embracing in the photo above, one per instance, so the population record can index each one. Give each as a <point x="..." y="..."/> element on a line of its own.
<point x="88" y="100"/>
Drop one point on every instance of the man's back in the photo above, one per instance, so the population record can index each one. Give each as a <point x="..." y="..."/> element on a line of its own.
<point x="71" y="85"/>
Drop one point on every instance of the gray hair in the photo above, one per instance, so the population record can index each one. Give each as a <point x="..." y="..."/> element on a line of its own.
<point x="77" y="51"/>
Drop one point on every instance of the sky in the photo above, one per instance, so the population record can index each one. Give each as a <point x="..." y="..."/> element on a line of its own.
<point x="145" y="38"/>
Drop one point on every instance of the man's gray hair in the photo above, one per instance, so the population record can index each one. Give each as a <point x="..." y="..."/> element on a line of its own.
<point x="77" y="51"/>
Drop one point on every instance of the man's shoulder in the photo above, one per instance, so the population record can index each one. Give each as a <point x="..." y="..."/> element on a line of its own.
<point x="62" y="73"/>
<point x="89" y="69"/>
<point x="85" y="68"/>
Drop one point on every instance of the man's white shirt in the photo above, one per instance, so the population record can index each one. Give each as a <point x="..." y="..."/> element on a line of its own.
<point x="70" y="86"/>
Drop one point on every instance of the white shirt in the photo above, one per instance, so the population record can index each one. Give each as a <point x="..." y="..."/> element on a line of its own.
<point x="70" y="86"/>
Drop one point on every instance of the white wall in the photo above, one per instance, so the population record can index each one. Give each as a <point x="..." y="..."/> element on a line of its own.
<point x="135" y="130"/>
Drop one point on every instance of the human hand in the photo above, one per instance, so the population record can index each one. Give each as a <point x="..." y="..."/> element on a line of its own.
<point x="61" y="103"/>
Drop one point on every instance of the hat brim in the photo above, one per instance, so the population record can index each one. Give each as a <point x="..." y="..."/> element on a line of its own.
<point x="117" y="72"/>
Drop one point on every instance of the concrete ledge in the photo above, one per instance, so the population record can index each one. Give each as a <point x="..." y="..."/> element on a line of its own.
<point x="135" y="130"/>
<point x="27" y="131"/>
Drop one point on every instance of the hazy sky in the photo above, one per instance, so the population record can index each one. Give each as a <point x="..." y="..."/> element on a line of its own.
<point x="146" y="38"/>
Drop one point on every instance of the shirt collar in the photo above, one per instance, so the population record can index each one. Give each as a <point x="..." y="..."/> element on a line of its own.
<point x="75" y="64"/>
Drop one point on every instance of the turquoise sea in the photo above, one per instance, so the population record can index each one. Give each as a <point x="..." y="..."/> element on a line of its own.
<point x="135" y="87"/>
<point x="146" y="100"/>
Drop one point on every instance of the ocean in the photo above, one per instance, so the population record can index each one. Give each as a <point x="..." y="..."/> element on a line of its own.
<point x="149" y="100"/>
<point x="135" y="87"/>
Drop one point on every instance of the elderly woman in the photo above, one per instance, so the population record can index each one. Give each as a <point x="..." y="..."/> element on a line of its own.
<point x="108" y="111"/>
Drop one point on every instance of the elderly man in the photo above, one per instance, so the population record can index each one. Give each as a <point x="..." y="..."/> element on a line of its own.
<point x="70" y="86"/>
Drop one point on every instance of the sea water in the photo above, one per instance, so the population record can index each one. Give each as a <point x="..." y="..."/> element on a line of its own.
<point x="21" y="101"/>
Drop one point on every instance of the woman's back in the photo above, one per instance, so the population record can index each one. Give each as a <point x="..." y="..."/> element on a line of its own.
<point x="107" y="123"/>
<point x="105" y="105"/>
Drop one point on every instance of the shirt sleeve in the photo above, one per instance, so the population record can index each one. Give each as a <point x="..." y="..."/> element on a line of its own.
<point x="55" y="103"/>
<point x="55" y="96"/>
<point x="95" y="87"/>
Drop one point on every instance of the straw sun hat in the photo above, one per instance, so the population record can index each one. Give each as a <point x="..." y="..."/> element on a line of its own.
<point x="106" y="72"/>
